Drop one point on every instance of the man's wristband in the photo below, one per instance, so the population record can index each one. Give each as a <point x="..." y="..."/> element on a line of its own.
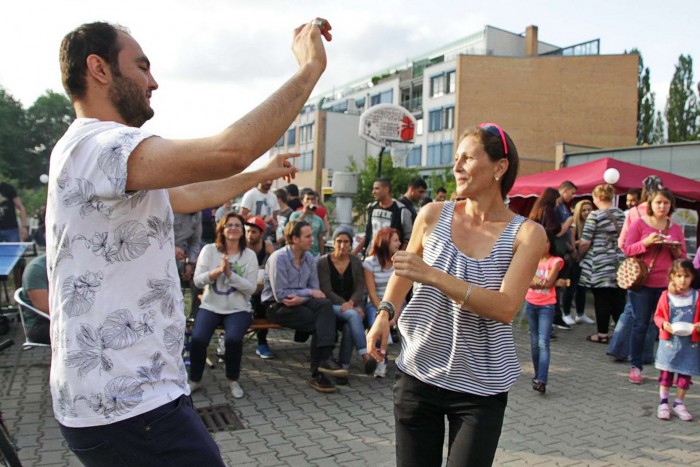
<point x="388" y="307"/>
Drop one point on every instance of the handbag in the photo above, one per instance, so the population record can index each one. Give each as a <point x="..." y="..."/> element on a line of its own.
<point x="632" y="273"/>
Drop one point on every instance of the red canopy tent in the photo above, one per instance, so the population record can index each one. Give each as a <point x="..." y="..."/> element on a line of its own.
<point x="590" y="174"/>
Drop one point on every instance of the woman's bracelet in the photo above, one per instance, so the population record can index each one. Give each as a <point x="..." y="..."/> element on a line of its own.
<point x="467" y="294"/>
<point x="388" y="307"/>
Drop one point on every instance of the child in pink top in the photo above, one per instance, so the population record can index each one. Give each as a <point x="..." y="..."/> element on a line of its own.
<point x="539" y="306"/>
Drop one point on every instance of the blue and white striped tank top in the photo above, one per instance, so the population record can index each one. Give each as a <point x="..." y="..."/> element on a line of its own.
<point x="456" y="349"/>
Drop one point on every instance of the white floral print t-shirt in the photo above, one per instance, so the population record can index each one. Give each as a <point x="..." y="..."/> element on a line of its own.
<point x="117" y="319"/>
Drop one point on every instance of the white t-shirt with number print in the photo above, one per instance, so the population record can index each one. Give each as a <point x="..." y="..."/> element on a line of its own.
<point x="117" y="320"/>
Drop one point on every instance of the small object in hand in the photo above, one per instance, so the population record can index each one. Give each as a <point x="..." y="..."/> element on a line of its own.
<point x="682" y="328"/>
<point x="317" y="22"/>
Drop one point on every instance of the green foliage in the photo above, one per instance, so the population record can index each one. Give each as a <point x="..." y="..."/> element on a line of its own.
<point x="399" y="176"/>
<point x="446" y="179"/>
<point x="27" y="137"/>
<point x="682" y="105"/>
<point x="645" y="104"/>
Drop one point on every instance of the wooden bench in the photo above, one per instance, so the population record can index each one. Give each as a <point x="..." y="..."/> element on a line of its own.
<point x="258" y="324"/>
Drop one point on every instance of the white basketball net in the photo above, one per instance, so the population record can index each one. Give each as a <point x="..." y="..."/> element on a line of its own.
<point x="399" y="154"/>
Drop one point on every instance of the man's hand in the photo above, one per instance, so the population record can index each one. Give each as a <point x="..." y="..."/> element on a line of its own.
<point x="317" y="294"/>
<point x="293" y="300"/>
<point x="280" y="166"/>
<point x="346" y="306"/>
<point x="187" y="273"/>
<point x="308" y="45"/>
<point x="180" y="254"/>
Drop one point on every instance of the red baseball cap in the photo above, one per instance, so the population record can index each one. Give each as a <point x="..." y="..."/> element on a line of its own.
<point x="258" y="222"/>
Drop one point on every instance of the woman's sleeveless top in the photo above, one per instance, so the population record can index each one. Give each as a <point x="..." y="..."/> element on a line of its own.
<point x="456" y="349"/>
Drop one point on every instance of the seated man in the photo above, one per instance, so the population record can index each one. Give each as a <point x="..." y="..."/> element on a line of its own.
<point x="293" y="300"/>
<point x="254" y="232"/>
<point x="35" y="291"/>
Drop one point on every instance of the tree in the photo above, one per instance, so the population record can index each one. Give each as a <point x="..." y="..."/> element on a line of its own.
<point x="645" y="104"/>
<point x="49" y="118"/>
<point x="682" y="105"/>
<point x="399" y="176"/>
<point x="14" y="137"/>
<point x="659" y="135"/>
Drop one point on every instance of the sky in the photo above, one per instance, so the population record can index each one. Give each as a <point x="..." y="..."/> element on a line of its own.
<point x="215" y="60"/>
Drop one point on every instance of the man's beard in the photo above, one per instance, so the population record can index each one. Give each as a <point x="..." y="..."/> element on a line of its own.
<point x="130" y="102"/>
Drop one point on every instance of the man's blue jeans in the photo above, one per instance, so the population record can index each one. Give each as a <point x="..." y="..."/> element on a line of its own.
<point x="540" y="318"/>
<point x="171" y="435"/>
<point x="353" y="334"/>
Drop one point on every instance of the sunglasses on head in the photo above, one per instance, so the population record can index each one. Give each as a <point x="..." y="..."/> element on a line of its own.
<point x="496" y="131"/>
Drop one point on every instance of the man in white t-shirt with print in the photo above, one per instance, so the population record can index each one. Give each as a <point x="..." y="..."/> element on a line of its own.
<point x="118" y="381"/>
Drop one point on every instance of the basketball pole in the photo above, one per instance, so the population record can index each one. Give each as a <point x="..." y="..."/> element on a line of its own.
<point x="379" y="162"/>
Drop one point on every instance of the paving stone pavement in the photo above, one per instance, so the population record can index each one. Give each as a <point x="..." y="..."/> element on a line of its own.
<point x="590" y="415"/>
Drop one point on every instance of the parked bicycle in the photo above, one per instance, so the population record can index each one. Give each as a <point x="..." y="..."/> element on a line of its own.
<point x="8" y="448"/>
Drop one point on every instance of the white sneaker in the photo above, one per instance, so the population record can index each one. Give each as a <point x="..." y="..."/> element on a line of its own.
<point x="194" y="385"/>
<point x="584" y="319"/>
<point x="569" y="320"/>
<point x="380" y="372"/>
<point x="236" y="389"/>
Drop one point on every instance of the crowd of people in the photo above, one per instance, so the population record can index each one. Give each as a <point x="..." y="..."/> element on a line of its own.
<point x="659" y="305"/>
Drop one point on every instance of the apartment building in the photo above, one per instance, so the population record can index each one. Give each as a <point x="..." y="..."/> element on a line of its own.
<point x="542" y="94"/>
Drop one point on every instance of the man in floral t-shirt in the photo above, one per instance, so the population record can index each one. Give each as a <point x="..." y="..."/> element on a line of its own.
<point x="118" y="382"/>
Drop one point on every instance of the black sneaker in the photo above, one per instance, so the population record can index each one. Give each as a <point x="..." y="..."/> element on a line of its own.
<point x="321" y="383"/>
<point x="539" y="387"/>
<point x="563" y="326"/>
<point x="331" y="368"/>
<point x="370" y="366"/>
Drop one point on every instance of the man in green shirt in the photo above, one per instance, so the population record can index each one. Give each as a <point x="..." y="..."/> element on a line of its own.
<point x="35" y="291"/>
<point x="308" y="214"/>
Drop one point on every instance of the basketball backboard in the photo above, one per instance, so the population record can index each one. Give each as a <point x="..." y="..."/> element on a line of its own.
<point x="387" y="124"/>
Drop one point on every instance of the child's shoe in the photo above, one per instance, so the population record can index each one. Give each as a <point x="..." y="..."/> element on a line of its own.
<point x="681" y="412"/>
<point x="663" y="412"/>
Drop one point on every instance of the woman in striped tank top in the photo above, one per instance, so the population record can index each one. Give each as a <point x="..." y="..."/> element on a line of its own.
<point x="471" y="262"/>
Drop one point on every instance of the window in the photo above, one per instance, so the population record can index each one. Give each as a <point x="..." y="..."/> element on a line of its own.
<point x="449" y="122"/>
<point x="306" y="133"/>
<point x="305" y="161"/>
<point x="280" y="142"/>
<point x="451" y="85"/>
<point x="440" y="154"/>
<point x="386" y="97"/>
<point x="360" y="103"/>
<point x="435" y="120"/>
<point x="291" y="136"/>
<point x="444" y="83"/>
<point x="414" y="156"/>
<point x="437" y="86"/>
<point x="446" y="153"/>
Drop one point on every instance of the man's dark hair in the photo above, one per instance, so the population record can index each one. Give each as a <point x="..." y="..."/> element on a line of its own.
<point x="568" y="184"/>
<point x="635" y="191"/>
<point x="292" y="190"/>
<point x="303" y="192"/>
<point x="98" y="38"/>
<point x="441" y="190"/>
<point x="418" y="183"/>
<point x="281" y="194"/>
<point x="293" y="229"/>
<point x="384" y="182"/>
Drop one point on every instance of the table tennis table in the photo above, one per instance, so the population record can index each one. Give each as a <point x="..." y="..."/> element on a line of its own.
<point x="10" y="254"/>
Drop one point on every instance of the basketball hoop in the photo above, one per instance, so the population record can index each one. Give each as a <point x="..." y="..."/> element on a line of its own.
<point x="399" y="154"/>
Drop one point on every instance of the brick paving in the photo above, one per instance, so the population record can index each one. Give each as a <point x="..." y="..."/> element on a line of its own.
<point x="590" y="415"/>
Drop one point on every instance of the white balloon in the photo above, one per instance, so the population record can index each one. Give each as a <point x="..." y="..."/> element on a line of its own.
<point x="611" y="175"/>
<point x="43" y="178"/>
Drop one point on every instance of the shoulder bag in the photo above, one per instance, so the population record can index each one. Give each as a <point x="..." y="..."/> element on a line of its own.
<point x="632" y="273"/>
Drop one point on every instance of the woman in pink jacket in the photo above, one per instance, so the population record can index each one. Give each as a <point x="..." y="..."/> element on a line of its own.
<point x="657" y="241"/>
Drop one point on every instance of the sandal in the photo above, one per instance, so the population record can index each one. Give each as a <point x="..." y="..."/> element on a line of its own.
<point x="598" y="339"/>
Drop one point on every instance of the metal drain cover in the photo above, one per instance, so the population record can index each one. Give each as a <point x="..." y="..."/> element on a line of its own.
<point x="219" y="418"/>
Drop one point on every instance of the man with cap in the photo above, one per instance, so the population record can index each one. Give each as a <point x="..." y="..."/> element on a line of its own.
<point x="254" y="231"/>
